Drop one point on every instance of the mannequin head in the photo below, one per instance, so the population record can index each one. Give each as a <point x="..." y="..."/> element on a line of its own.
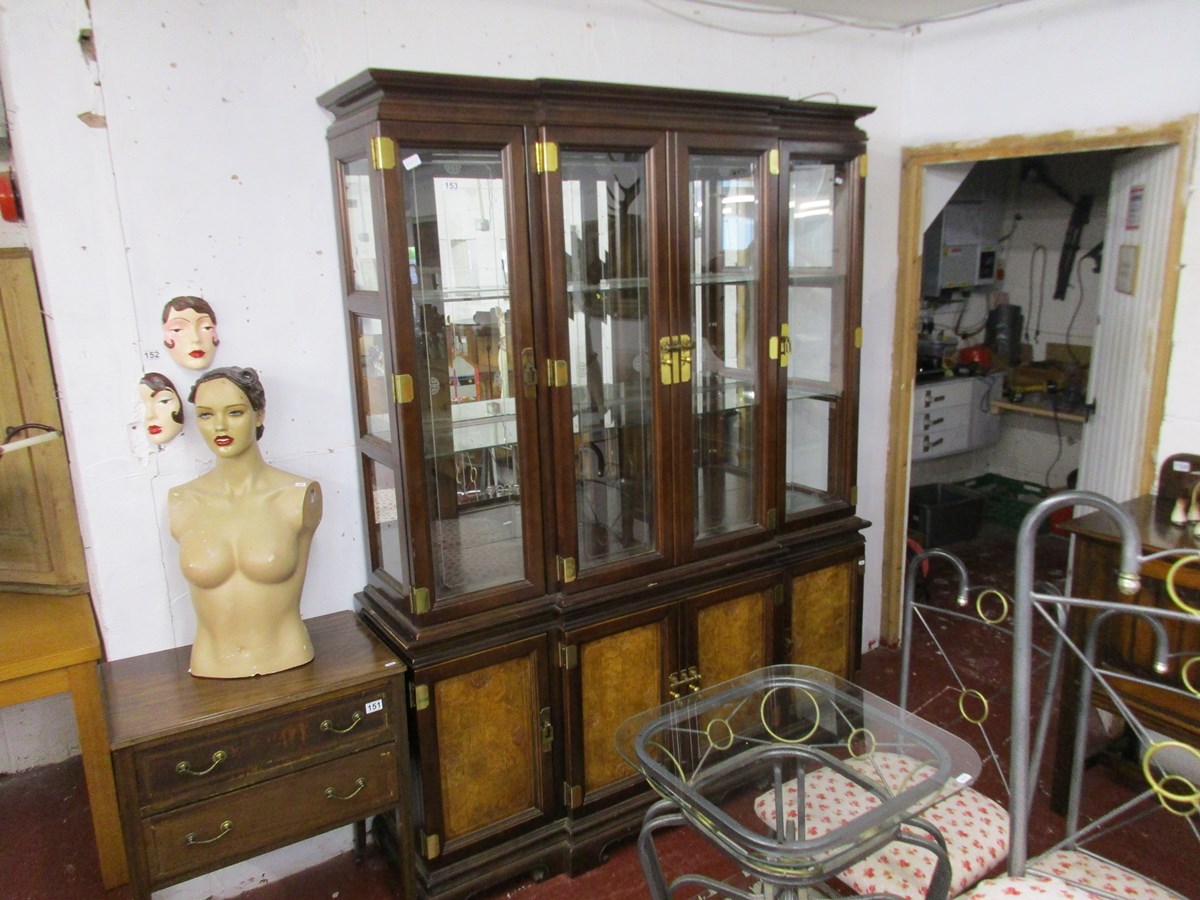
<point x="190" y="331"/>
<point x="163" y="410"/>
<point x="230" y="407"/>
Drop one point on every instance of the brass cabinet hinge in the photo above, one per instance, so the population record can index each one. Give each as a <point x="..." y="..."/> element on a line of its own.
<point x="772" y="517"/>
<point x="572" y="795"/>
<point x="420" y="600"/>
<point x="529" y="373"/>
<point x="568" y="656"/>
<point x="402" y="388"/>
<point x="773" y="161"/>
<point x="547" y="730"/>
<point x="431" y="845"/>
<point x="545" y="157"/>
<point x="858" y="338"/>
<point x="418" y="696"/>
<point x="854" y="495"/>
<point x="566" y="568"/>
<point x="780" y="348"/>
<point x="675" y="358"/>
<point x="862" y="166"/>
<point x="383" y="153"/>
<point x="558" y="373"/>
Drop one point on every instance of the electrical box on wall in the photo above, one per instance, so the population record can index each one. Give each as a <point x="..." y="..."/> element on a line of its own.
<point x="960" y="248"/>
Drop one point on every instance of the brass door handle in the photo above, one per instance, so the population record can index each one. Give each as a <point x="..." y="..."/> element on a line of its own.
<point x="192" y="841"/>
<point x="185" y="768"/>
<point x="328" y="726"/>
<point x="331" y="794"/>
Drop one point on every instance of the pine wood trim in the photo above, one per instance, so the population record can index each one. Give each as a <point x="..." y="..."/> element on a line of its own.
<point x="1180" y="132"/>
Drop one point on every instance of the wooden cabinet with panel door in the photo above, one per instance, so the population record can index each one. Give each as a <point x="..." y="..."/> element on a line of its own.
<point x="604" y="341"/>
<point x="484" y="736"/>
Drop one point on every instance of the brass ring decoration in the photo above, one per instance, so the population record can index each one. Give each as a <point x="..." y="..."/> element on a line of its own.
<point x="962" y="706"/>
<point x="328" y="725"/>
<point x="671" y="757"/>
<point x="708" y="734"/>
<point x="867" y="733"/>
<point x="1187" y="809"/>
<point x="1004" y="606"/>
<point x="1186" y="678"/>
<point x="192" y="841"/>
<point x="185" y="768"/>
<point x="1192" y="799"/>
<point x="331" y="794"/>
<point x="1170" y="583"/>
<point x="762" y="714"/>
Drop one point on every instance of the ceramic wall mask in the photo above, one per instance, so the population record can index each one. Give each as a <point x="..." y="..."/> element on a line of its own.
<point x="190" y="331"/>
<point x="162" y="408"/>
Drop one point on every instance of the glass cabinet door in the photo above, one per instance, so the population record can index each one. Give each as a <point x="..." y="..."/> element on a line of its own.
<point x="817" y="468"/>
<point x="362" y="215"/>
<point x="470" y="320"/>
<point x="720" y="350"/>
<point x="602" y="305"/>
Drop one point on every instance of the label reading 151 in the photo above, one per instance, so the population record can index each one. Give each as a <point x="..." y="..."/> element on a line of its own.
<point x="374" y="706"/>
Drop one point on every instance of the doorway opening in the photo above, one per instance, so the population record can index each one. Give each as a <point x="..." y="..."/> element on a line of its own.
<point x="1002" y="248"/>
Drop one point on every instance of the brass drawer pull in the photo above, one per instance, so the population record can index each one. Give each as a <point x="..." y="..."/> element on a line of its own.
<point x="192" y="841"/>
<point x="328" y="725"/>
<point x="185" y="768"/>
<point x="331" y="794"/>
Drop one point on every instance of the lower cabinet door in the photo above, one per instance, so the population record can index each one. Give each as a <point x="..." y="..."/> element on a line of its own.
<point x="233" y="826"/>
<point x="730" y="631"/>
<point x="611" y="671"/>
<point x="825" y="602"/>
<point x="485" y="729"/>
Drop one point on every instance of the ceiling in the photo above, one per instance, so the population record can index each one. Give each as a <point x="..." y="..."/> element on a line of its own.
<point x="883" y="14"/>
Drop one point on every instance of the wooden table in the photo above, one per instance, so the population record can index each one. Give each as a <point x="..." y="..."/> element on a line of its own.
<point x="49" y="645"/>
<point x="1093" y="574"/>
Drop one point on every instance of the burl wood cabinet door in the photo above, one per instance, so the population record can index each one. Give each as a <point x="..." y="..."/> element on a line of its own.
<point x="825" y="603"/>
<point x="731" y="631"/>
<point x="612" y="671"/>
<point x="486" y="738"/>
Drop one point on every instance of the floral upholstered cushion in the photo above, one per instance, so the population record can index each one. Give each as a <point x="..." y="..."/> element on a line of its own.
<point x="974" y="827"/>
<point x="1006" y="888"/>
<point x="1088" y="871"/>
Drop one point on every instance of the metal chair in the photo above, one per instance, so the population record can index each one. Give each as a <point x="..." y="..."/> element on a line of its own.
<point x="954" y="695"/>
<point x="1167" y="767"/>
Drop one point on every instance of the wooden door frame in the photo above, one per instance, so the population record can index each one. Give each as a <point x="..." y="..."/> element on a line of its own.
<point x="1179" y="132"/>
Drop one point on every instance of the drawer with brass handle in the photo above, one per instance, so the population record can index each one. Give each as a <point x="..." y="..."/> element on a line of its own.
<point x="174" y="772"/>
<point x="246" y="822"/>
<point x="213" y="771"/>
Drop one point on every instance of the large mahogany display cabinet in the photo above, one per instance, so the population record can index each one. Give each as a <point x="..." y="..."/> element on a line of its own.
<point x="604" y="341"/>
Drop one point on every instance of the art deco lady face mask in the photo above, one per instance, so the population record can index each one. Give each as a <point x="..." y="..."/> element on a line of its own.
<point x="190" y="332"/>
<point x="162" y="410"/>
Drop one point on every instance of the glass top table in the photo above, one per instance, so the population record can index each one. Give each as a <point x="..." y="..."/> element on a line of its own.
<point x="721" y="755"/>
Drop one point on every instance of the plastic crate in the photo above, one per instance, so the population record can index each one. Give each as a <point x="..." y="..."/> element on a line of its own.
<point x="1006" y="500"/>
<point x="944" y="513"/>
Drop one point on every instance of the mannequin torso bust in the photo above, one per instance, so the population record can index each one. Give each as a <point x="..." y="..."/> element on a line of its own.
<point x="244" y="530"/>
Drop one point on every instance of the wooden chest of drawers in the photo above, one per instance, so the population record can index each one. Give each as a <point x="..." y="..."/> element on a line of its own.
<point x="211" y="771"/>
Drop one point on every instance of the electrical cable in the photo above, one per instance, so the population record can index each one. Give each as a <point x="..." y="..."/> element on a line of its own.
<point x="1078" y="304"/>
<point x="1036" y="303"/>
